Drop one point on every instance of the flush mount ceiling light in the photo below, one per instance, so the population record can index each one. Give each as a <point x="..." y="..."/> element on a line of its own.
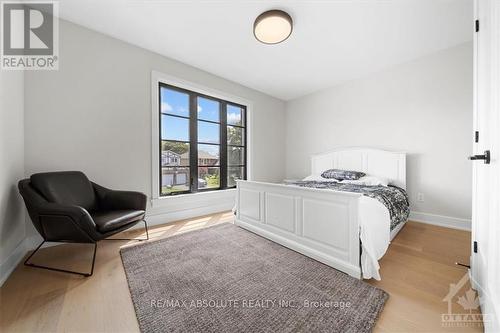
<point x="272" y="27"/>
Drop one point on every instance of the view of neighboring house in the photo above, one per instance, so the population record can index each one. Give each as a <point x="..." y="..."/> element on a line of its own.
<point x="204" y="158"/>
<point x="174" y="174"/>
<point x="169" y="158"/>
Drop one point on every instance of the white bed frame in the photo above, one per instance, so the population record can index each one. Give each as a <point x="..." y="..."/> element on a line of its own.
<point x="322" y="224"/>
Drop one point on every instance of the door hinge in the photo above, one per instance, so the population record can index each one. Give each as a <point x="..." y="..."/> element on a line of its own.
<point x="475" y="247"/>
<point x="476" y="136"/>
<point x="477" y="25"/>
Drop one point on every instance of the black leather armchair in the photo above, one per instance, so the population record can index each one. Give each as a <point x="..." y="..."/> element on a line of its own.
<point x="67" y="207"/>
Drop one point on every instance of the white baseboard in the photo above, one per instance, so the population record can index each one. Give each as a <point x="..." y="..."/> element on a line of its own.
<point x="8" y="266"/>
<point x="441" y="220"/>
<point x="33" y="241"/>
<point x="168" y="217"/>
<point x="490" y="308"/>
<point x="182" y="207"/>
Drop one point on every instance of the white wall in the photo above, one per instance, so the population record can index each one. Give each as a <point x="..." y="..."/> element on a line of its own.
<point x="94" y="113"/>
<point x="423" y="108"/>
<point x="12" y="225"/>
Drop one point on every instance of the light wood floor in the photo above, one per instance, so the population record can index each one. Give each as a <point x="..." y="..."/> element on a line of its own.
<point x="416" y="272"/>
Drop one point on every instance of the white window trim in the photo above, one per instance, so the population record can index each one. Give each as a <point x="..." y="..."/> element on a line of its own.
<point x="158" y="77"/>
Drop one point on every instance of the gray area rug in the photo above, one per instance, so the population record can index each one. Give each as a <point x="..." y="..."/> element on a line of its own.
<point x="227" y="279"/>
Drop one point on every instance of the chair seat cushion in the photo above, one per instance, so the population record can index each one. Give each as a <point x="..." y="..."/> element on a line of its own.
<point x="111" y="220"/>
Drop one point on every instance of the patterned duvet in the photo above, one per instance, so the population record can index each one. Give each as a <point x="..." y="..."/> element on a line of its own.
<point x="392" y="197"/>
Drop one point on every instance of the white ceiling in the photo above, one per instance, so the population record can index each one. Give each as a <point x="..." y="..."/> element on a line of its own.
<point x="332" y="42"/>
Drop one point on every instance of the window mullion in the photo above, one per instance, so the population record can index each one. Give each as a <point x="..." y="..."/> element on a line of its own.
<point x="223" y="144"/>
<point x="193" y="137"/>
<point x="160" y="175"/>
<point x="244" y="142"/>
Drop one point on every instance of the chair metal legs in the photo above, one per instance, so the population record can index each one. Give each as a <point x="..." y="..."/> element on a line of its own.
<point x="27" y="263"/>
<point x="138" y="239"/>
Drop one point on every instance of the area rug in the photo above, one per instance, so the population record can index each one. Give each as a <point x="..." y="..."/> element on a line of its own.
<point x="227" y="279"/>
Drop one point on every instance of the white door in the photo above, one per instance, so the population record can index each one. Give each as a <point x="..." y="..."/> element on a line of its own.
<point x="485" y="258"/>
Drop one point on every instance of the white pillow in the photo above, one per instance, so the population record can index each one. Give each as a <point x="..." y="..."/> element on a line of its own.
<point x="368" y="181"/>
<point x="318" y="178"/>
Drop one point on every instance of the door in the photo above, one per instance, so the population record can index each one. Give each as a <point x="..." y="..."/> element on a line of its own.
<point x="485" y="258"/>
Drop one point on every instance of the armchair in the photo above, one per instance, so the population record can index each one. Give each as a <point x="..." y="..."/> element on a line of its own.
<point x="67" y="207"/>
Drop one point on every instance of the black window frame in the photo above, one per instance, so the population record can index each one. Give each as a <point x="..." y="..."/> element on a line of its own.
<point x="193" y="140"/>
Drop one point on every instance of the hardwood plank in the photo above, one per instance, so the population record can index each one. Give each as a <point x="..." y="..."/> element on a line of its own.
<point x="417" y="271"/>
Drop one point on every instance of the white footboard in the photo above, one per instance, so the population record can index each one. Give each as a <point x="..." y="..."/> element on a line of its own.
<point x="321" y="224"/>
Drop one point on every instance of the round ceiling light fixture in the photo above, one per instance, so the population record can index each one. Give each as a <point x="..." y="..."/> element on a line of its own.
<point x="272" y="27"/>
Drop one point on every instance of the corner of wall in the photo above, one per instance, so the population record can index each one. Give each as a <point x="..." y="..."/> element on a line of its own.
<point x="13" y="217"/>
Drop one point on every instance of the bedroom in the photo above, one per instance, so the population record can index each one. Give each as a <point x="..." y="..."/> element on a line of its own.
<point x="177" y="102"/>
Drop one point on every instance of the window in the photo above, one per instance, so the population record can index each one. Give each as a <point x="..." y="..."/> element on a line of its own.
<point x="202" y="142"/>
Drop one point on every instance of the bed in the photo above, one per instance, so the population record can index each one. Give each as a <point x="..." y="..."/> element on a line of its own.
<point x="345" y="229"/>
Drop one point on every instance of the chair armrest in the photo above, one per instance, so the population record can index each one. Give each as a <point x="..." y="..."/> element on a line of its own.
<point x="75" y="212"/>
<point x="112" y="200"/>
<point x="73" y="221"/>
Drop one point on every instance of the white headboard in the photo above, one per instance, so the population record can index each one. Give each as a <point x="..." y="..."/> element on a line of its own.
<point x="373" y="162"/>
